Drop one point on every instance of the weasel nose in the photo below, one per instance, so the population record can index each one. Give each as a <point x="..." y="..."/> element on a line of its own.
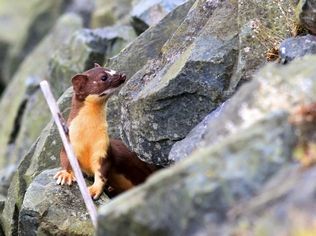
<point x="123" y="77"/>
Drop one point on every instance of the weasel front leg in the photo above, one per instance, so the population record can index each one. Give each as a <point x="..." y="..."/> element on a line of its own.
<point x="65" y="175"/>
<point x="100" y="178"/>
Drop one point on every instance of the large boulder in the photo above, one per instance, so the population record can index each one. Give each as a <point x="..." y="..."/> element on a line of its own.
<point x="52" y="209"/>
<point x="172" y="93"/>
<point x="145" y="47"/>
<point x="246" y="108"/>
<point x="197" y="194"/>
<point x="146" y="13"/>
<point x="221" y="185"/>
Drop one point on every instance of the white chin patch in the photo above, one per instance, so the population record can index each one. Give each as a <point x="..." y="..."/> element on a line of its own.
<point x="111" y="72"/>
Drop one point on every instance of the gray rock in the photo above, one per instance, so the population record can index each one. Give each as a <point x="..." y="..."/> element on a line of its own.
<point x="285" y="206"/>
<point x="111" y="12"/>
<point x="148" y="13"/>
<point x="191" y="142"/>
<point x="44" y="154"/>
<point x="24" y="87"/>
<point x="144" y="48"/>
<point x="170" y="95"/>
<point x="52" y="209"/>
<point x="199" y="191"/>
<point x="246" y="108"/>
<point x="6" y="176"/>
<point x="23" y="25"/>
<point x="292" y="48"/>
<point x="307" y="14"/>
<point x="262" y="27"/>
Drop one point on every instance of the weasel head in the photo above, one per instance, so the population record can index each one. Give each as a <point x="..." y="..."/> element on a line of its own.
<point x="98" y="82"/>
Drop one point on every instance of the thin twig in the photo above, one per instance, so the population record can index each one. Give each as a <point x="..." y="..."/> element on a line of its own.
<point x="70" y="153"/>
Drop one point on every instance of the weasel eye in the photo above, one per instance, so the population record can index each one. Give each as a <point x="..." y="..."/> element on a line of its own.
<point x="104" y="77"/>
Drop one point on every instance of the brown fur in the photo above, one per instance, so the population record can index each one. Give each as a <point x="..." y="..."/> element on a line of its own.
<point x="109" y="161"/>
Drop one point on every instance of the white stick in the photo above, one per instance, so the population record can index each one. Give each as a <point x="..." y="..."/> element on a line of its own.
<point x="70" y="153"/>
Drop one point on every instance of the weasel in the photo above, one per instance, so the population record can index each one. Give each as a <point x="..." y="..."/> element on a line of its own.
<point x="109" y="161"/>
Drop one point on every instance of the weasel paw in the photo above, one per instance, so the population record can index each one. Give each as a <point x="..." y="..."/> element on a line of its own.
<point x="95" y="191"/>
<point x="64" y="176"/>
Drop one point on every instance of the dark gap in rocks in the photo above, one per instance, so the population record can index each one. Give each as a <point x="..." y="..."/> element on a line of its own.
<point x="17" y="122"/>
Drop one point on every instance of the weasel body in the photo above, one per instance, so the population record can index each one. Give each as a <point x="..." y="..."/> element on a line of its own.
<point x="109" y="161"/>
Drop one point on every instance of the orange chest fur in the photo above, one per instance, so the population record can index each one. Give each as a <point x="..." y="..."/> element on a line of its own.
<point x="88" y="136"/>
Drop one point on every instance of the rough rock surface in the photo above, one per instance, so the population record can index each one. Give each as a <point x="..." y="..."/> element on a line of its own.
<point x="44" y="200"/>
<point x="191" y="142"/>
<point x="23" y="25"/>
<point x="148" y="13"/>
<point x="220" y="186"/>
<point x="246" y="108"/>
<point x="206" y="185"/>
<point x="144" y="48"/>
<point x="292" y="48"/>
<point x="306" y="11"/>
<point x="44" y="154"/>
<point x="170" y="95"/>
<point x="261" y="26"/>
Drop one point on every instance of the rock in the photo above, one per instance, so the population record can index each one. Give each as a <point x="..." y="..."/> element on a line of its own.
<point x="144" y="48"/>
<point x="23" y="25"/>
<point x="246" y="108"/>
<point x="191" y="142"/>
<point x="112" y="12"/>
<point x="49" y="208"/>
<point x="306" y="11"/>
<point x="173" y="93"/>
<point x="148" y="13"/>
<point x="6" y="175"/>
<point x="24" y="87"/>
<point x="262" y="27"/>
<point x="206" y="185"/>
<point x="292" y="48"/>
<point x="44" y="154"/>
<point x="285" y="206"/>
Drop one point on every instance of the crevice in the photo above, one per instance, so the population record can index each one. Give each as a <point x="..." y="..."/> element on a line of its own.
<point x="17" y="122"/>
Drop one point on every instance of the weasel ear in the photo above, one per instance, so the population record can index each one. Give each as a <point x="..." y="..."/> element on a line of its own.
<point x="96" y="65"/>
<point x="78" y="82"/>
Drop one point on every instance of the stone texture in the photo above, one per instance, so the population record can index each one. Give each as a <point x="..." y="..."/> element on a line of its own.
<point x="170" y="95"/>
<point x="292" y="48"/>
<point x="285" y="206"/>
<point x="262" y="27"/>
<point x="53" y="209"/>
<point x="146" y="13"/>
<point x="110" y="12"/>
<point x="23" y="25"/>
<point x="23" y="87"/>
<point x="6" y="175"/>
<point x="44" y="154"/>
<point x="306" y="12"/>
<point x="144" y="48"/>
<point x="191" y="142"/>
<point x="199" y="192"/>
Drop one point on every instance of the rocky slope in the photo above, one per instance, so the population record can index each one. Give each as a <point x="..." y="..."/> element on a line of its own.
<point x="199" y="100"/>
